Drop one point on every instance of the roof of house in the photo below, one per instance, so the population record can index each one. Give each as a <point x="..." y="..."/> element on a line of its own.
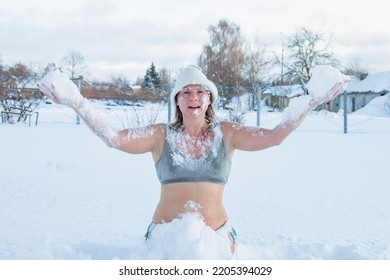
<point x="375" y="82"/>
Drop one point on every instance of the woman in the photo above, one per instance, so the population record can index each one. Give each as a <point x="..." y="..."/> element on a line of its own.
<point x="193" y="155"/>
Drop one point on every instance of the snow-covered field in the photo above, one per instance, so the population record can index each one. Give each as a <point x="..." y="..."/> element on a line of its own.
<point x="322" y="194"/>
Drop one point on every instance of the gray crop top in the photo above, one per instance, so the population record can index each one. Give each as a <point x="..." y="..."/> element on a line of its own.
<point x="176" y="166"/>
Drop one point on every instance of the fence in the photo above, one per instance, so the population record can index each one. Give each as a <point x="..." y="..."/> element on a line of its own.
<point x="6" y="115"/>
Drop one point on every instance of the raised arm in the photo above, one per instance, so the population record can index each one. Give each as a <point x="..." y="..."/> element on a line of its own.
<point x="254" y="138"/>
<point x="62" y="90"/>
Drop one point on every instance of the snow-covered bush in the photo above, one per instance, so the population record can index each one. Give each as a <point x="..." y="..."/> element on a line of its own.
<point x="140" y="116"/>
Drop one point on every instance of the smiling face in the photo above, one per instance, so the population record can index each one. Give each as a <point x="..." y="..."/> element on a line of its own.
<point x="193" y="100"/>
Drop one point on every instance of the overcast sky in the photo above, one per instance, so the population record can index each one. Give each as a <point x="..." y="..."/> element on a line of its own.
<point x="125" y="36"/>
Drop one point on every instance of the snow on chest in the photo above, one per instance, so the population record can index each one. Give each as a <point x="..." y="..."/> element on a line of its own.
<point x="193" y="152"/>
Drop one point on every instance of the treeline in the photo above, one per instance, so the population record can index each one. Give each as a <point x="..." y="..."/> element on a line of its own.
<point x="232" y="62"/>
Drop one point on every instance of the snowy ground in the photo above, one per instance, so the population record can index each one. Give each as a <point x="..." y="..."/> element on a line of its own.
<point x="322" y="194"/>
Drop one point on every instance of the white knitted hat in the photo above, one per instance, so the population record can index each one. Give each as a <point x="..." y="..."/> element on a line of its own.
<point x="192" y="75"/>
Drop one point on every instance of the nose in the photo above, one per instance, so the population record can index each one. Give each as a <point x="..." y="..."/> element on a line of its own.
<point x="193" y="96"/>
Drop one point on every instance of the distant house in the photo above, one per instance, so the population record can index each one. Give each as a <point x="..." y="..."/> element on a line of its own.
<point x="278" y="97"/>
<point x="361" y="92"/>
<point x="93" y="90"/>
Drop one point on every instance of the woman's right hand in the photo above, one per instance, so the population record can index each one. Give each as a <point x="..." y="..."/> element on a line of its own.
<point x="58" y="87"/>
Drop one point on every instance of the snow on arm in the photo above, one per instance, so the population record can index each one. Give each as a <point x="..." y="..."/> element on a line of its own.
<point x="96" y="123"/>
<point x="139" y="140"/>
<point x="61" y="89"/>
<point x="297" y="107"/>
<point x="325" y="84"/>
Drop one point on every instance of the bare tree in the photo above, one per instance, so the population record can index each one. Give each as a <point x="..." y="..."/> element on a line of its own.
<point x="137" y="118"/>
<point x="355" y="68"/>
<point x="223" y="57"/>
<point x="166" y="82"/>
<point x="139" y="81"/>
<point x="253" y="70"/>
<point x="120" y="82"/>
<point x="258" y="71"/>
<point x="305" y="50"/>
<point x="74" y="63"/>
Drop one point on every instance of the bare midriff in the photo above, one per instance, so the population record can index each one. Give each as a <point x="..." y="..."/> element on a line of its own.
<point x="203" y="198"/>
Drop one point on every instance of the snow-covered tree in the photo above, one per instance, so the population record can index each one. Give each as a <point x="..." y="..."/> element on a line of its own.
<point x="152" y="78"/>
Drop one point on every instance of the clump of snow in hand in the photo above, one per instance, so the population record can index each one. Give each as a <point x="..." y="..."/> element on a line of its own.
<point x="323" y="79"/>
<point x="186" y="237"/>
<point x="66" y="91"/>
